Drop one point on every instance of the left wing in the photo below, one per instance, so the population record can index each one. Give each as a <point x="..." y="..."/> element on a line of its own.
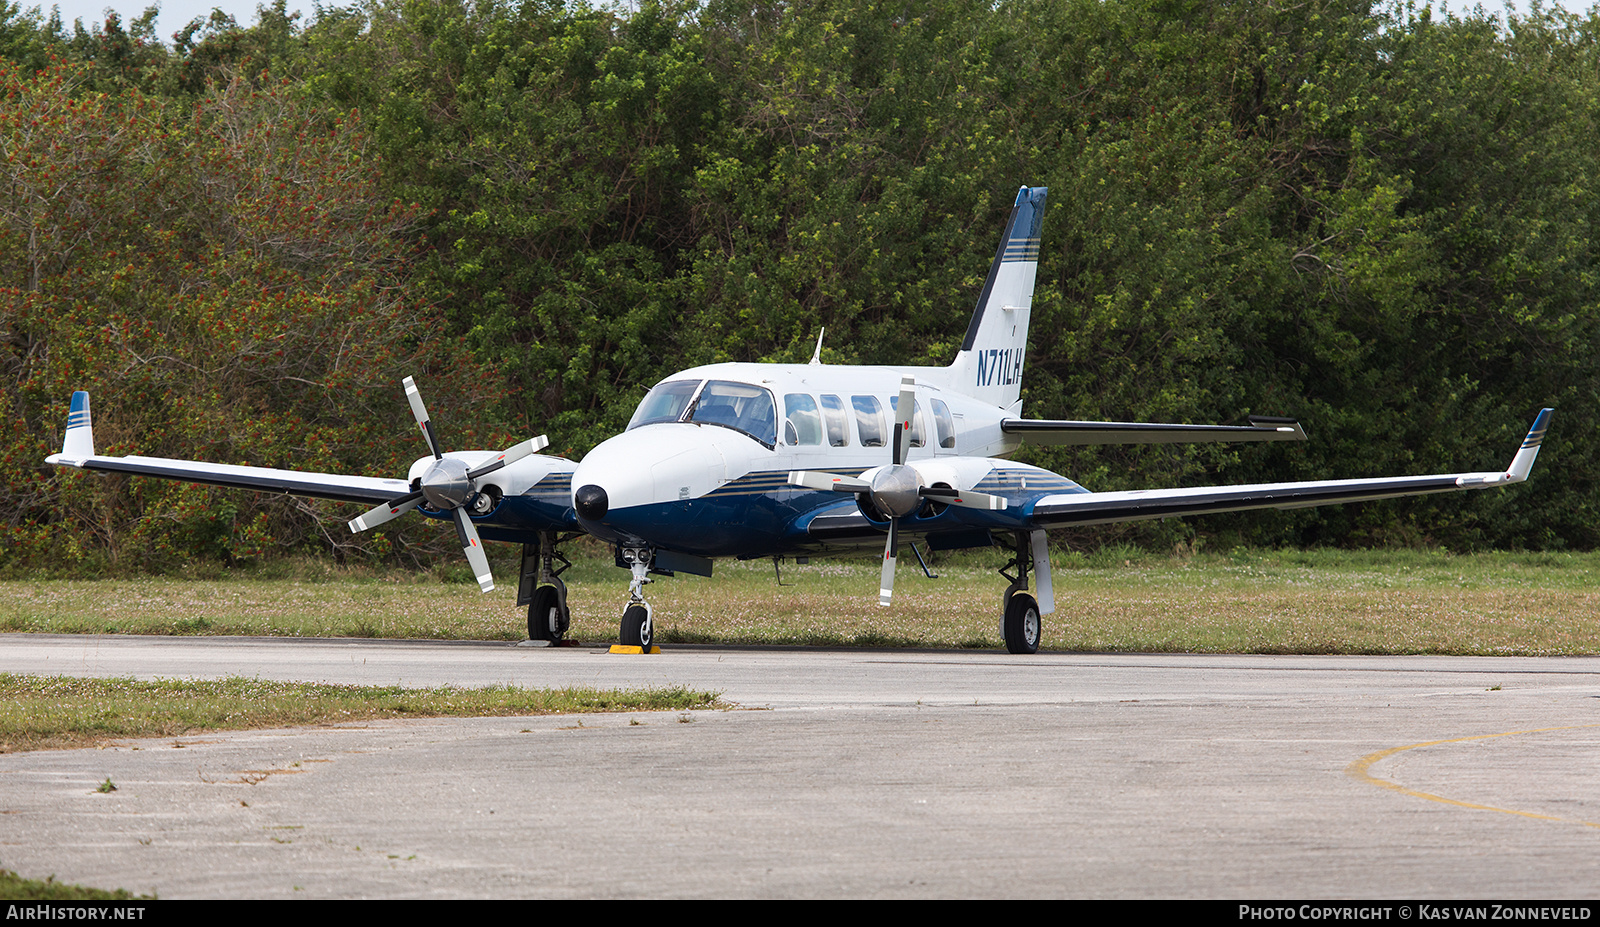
<point x="1095" y="508"/>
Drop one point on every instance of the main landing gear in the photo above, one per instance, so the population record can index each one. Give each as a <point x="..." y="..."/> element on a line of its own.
<point x="543" y="591"/>
<point x="638" y="628"/>
<point x="1020" y="624"/>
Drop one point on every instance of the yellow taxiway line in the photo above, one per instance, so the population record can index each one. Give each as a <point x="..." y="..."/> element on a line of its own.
<point x="1361" y="771"/>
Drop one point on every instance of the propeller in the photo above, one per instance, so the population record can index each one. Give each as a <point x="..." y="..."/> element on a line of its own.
<point x="897" y="488"/>
<point x="448" y="485"/>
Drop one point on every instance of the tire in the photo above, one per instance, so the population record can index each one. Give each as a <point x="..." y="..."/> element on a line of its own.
<point x="548" y="618"/>
<point x="637" y="628"/>
<point x="1022" y="626"/>
<point x="563" y="620"/>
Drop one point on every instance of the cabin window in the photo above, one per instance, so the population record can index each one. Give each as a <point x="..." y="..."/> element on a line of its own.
<point x="739" y="406"/>
<point x="869" y="420"/>
<point x="802" y="425"/>
<point x="838" y="423"/>
<point x="664" y="403"/>
<point x="917" y="437"/>
<point x="944" y="424"/>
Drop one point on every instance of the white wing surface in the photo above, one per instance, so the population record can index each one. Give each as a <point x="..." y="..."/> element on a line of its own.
<point x="1097" y="508"/>
<point x="78" y="450"/>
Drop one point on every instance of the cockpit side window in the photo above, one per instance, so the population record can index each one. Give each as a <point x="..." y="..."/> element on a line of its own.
<point x="664" y="403"/>
<point x="739" y="406"/>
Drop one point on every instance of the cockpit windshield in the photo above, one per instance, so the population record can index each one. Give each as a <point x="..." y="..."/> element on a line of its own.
<point x="664" y="403"/>
<point x="740" y="406"/>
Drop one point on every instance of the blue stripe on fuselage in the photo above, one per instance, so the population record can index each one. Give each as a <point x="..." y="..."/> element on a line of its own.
<point x="761" y="515"/>
<point x="756" y="515"/>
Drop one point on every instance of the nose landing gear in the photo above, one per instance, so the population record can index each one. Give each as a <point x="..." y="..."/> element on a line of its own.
<point x="638" y="626"/>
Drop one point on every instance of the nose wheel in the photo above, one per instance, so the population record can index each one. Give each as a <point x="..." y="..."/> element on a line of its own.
<point x="638" y="626"/>
<point x="638" y="630"/>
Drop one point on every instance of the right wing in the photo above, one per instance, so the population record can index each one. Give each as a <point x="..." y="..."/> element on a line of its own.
<point x="77" y="450"/>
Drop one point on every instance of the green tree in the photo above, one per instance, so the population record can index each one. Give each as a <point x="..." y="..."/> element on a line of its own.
<point x="229" y="283"/>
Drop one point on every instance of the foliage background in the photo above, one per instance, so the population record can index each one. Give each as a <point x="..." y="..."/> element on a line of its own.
<point x="1376" y="219"/>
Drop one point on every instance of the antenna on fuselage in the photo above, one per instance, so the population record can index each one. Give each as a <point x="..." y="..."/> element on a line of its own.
<point x="816" y="356"/>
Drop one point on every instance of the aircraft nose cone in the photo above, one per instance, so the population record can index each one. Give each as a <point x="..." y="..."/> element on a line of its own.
<point x="590" y="502"/>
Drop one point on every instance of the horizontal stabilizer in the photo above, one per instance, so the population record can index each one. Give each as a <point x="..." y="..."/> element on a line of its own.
<point x="1045" y="431"/>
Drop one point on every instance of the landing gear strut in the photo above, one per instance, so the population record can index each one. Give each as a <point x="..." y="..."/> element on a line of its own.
<point x="543" y="591"/>
<point x="1020" y="625"/>
<point x="638" y="626"/>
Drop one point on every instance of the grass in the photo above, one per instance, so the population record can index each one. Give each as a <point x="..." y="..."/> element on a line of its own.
<point x="58" y="712"/>
<point x="15" y="888"/>
<point x="55" y="712"/>
<point x="1249" y="601"/>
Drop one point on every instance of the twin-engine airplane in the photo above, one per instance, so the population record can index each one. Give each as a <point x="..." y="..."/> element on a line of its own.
<point x="774" y="460"/>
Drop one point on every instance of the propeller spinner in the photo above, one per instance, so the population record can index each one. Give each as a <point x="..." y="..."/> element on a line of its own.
<point x="448" y="485"/>
<point x="895" y="489"/>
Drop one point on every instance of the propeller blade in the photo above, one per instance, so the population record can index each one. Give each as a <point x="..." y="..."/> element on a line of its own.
<point x="970" y="500"/>
<point x="420" y="411"/>
<point x="509" y="456"/>
<point x="886" y="580"/>
<point x="816" y="479"/>
<point x="904" y="409"/>
<point x="473" y="547"/>
<point x="388" y="511"/>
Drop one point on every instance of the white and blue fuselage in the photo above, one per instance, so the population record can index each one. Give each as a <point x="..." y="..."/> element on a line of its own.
<point x="710" y="477"/>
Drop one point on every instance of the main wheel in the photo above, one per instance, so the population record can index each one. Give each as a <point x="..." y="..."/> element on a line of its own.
<point x="548" y="618"/>
<point x="637" y="628"/>
<point x="563" y="620"/>
<point x="1021" y="625"/>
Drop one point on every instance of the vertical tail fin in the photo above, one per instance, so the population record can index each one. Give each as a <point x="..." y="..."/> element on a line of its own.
<point x="989" y="365"/>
